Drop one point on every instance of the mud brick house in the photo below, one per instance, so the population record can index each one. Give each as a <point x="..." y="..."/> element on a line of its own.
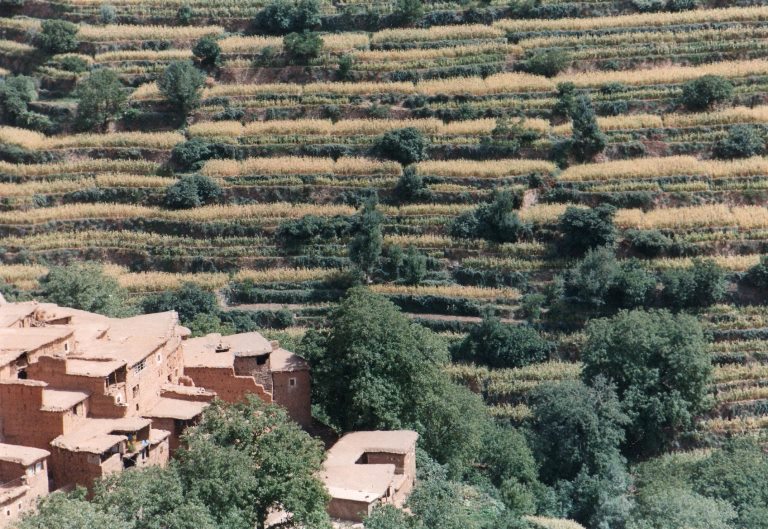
<point x="23" y="479"/>
<point x="92" y="395"/>
<point x="366" y="469"/>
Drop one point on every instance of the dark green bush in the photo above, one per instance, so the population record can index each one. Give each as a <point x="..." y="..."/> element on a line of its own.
<point x="701" y="285"/>
<point x="757" y="276"/>
<point x="498" y="345"/>
<point x="181" y="84"/>
<point x="407" y="145"/>
<point x="411" y="187"/>
<point x="496" y="221"/>
<point x="191" y="192"/>
<point x="184" y="15"/>
<point x="587" y="140"/>
<point x="188" y="301"/>
<point x="648" y="243"/>
<point x="207" y="52"/>
<point x="73" y="63"/>
<point x="548" y="62"/>
<point x="702" y="93"/>
<point x="57" y="36"/>
<point x="189" y="155"/>
<point x="280" y="17"/>
<point x="583" y="229"/>
<point x="101" y="98"/>
<point x="742" y="141"/>
<point x="345" y="67"/>
<point x="301" y="47"/>
<point x="408" y="11"/>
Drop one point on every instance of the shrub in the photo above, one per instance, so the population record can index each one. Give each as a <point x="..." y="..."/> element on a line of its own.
<point x="191" y="192"/>
<point x="345" y="67"/>
<point x="583" y="229"/>
<point x="408" y="11"/>
<point x="365" y="247"/>
<point x="301" y="47"/>
<point x="464" y="226"/>
<point x="649" y="6"/>
<point x="742" y="141"/>
<point x="282" y="16"/>
<point x="207" y="52"/>
<point x="181" y="84"/>
<point x="498" y="221"/>
<point x="414" y="267"/>
<point x="702" y="93"/>
<point x="73" y="63"/>
<point x="566" y="100"/>
<point x="189" y="301"/>
<point x="757" y="276"/>
<point x="548" y="62"/>
<point x="184" y="15"/>
<point x="587" y="139"/>
<point x="57" y="36"/>
<point x="699" y="286"/>
<point x="107" y="14"/>
<point x="190" y="154"/>
<point x="682" y="5"/>
<point x="411" y="187"/>
<point x="85" y="286"/>
<point x="407" y="145"/>
<point x="648" y="243"/>
<point x="101" y="98"/>
<point x="15" y="94"/>
<point x="498" y="345"/>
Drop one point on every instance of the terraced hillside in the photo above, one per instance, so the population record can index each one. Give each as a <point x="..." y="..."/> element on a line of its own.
<point x="293" y="138"/>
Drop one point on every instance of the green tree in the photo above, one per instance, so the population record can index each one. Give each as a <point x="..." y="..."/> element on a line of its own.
<point x="390" y="517"/>
<point x="411" y="187"/>
<point x="661" y="368"/>
<point x="587" y="140"/>
<point x="16" y="93"/>
<point x="70" y="511"/>
<point x="207" y="52"/>
<point x="151" y="498"/>
<point x="365" y="247"/>
<point x="673" y="509"/>
<point x="566" y="100"/>
<point x="301" y="47"/>
<point x="414" y="267"/>
<point x="190" y="154"/>
<point x="545" y="62"/>
<point x="702" y="93"/>
<point x="244" y="460"/>
<point x="576" y="427"/>
<point x="408" y="12"/>
<point x="407" y="145"/>
<point x="701" y="285"/>
<point x="283" y="16"/>
<point x="375" y="369"/>
<point x="498" y="345"/>
<point x="742" y="141"/>
<point x="189" y="301"/>
<point x="583" y="229"/>
<point x="498" y="221"/>
<point x="181" y="84"/>
<point x="101" y="97"/>
<point x="191" y="192"/>
<point x="184" y="14"/>
<point x="57" y="36"/>
<point x="85" y="286"/>
<point x="757" y="276"/>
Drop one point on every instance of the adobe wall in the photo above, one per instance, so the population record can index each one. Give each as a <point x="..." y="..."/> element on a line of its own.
<point x="20" y="408"/>
<point x="296" y="399"/>
<point x="80" y="468"/>
<point x="162" y="366"/>
<point x="354" y="511"/>
<point x="228" y="387"/>
<point x="53" y="371"/>
<point x="60" y="346"/>
<point x="169" y="425"/>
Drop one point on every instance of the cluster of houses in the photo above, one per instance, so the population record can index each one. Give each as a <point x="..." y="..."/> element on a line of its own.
<point x="83" y="395"/>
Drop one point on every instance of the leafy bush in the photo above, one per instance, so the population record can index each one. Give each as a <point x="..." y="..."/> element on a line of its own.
<point x="587" y="139"/>
<point x="101" y="97"/>
<point x="189" y="301"/>
<point x="57" y="36"/>
<point x="682" y="5"/>
<point x="411" y="187"/>
<point x="15" y="95"/>
<point x="181" y="83"/>
<point x="107" y="14"/>
<point x="548" y="62"/>
<point x="301" y="47"/>
<point x="345" y="67"/>
<point x="699" y="286"/>
<point x="189" y="155"/>
<point x="207" y="52"/>
<point x="566" y="100"/>
<point x="583" y="229"/>
<point x="184" y="15"/>
<point x="498" y="345"/>
<point x="702" y="93"/>
<point x="742" y="141"/>
<point x="496" y="221"/>
<point x="649" y="6"/>
<point x="73" y="63"/>
<point x="648" y="243"/>
<point x="85" y="286"/>
<point x="757" y="276"/>
<point x="366" y="245"/>
<point x="407" y="12"/>
<point x="309" y="229"/>
<point x="407" y="145"/>
<point x="283" y="16"/>
<point x="191" y="192"/>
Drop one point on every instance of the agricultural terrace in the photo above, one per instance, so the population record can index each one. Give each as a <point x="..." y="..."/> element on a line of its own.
<point x="198" y="142"/>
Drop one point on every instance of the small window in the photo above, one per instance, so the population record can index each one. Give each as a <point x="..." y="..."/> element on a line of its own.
<point x="20" y="506"/>
<point x="31" y="470"/>
<point x="7" y="512"/>
<point x="159" y="358"/>
<point x="66" y="347"/>
<point x="139" y="367"/>
<point x="135" y="391"/>
<point x="291" y="382"/>
<point x="38" y="467"/>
